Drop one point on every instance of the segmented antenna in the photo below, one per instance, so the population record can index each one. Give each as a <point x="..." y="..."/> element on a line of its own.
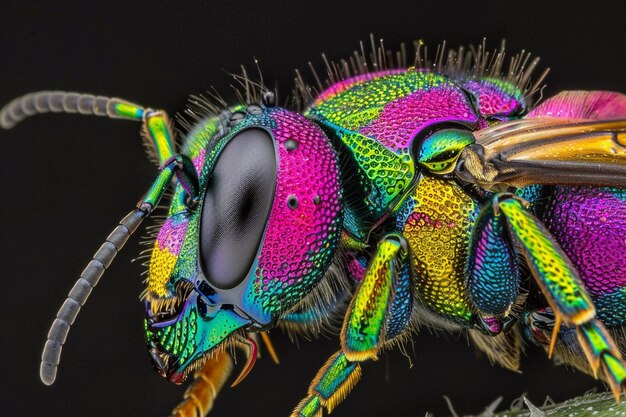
<point x="178" y="166"/>
<point x="158" y="140"/>
<point x="81" y="290"/>
<point x="59" y="102"/>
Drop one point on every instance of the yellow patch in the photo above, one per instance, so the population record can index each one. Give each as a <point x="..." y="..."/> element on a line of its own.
<point x="438" y="232"/>
<point x="161" y="267"/>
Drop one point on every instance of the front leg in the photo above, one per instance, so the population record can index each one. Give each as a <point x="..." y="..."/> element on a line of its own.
<point x="381" y="308"/>
<point x="379" y="312"/>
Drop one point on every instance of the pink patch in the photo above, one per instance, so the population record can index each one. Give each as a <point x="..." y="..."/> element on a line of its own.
<point x="198" y="161"/>
<point x="492" y="100"/>
<point x="418" y="219"/>
<point x="355" y="269"/>
<point x="172" y="235"/>
<point x="594" y="105"/>
<point x="295" y="237"/>
<point x="402" y="119"/>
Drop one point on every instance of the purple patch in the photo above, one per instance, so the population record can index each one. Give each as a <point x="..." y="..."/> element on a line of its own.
<point x="172" y="235"/>
<point x="590" y="225"/>
<point x="493" y="100"/>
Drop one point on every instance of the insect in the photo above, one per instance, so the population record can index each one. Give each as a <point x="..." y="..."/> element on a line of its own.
<point x="391" y="196"/>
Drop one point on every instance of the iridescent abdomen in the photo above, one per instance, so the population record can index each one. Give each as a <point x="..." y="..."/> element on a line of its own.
<point x="590" y="225"/>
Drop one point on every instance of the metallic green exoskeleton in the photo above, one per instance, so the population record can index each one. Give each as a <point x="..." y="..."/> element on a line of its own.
<point x="436" y="194"/>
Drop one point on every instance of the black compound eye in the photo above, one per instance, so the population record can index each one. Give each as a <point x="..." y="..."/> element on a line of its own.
<point x="236" y="206"/>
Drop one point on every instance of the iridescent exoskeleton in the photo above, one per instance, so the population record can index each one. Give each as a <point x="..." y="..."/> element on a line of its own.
<point x="437" y="194"/>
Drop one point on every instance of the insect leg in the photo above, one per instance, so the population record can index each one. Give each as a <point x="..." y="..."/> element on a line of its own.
<point x="158" y="134"/>
<point x="493" y="273"/>
<point x="381" y="307"/>
<point x="563" y="290"/>
<point x="379" y="312"/>
<point x="89" y="278"/>
<point x="331" y="386"/>
<point x="209" y="380"/>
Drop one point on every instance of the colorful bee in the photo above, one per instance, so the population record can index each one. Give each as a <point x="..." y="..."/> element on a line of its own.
<point x="391" y="196"/>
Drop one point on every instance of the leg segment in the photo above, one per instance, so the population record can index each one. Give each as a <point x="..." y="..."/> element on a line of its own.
<point x="159" y="139"/>
<point x="493" y="274"/>
<point x="585" y="347"/>
<point x="379" y="312"/>
<point x="550" y="266"/>
<point x="382" y="303"/>
<point x="331" y="386"/>
<point x="563" y="290"/>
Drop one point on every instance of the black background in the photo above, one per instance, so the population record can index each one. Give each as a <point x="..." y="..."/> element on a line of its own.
<point x="68" y="180"/>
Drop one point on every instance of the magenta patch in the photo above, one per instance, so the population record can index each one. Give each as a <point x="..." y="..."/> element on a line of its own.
<point x="402" y="119"/>
<point x="172" y="234"/>
<point x="492" y="100"/>
<point x="198" y="161"/>
<point x="355" y="269"/>
<point x="297" y="238"/>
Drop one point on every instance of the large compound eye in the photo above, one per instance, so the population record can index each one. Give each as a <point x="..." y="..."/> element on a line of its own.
<point x="236" y="206"/>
